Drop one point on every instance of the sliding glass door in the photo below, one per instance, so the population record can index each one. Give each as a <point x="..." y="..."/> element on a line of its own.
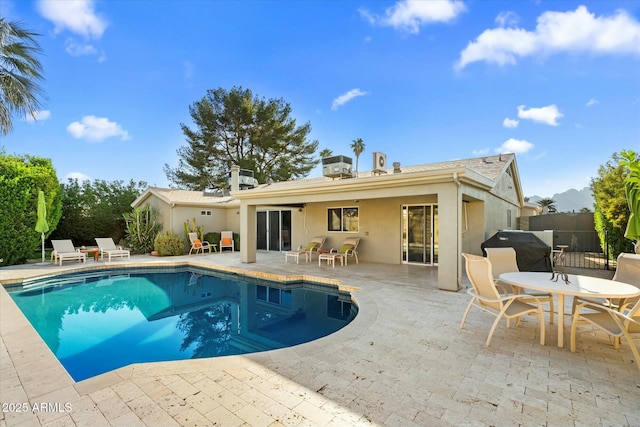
<point x="274" y="230"/>
<point x="419" y="234"/>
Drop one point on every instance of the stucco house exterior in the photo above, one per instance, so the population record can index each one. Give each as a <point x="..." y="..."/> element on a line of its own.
<point x="217" y="211"/>
<point x="426" y="214"/>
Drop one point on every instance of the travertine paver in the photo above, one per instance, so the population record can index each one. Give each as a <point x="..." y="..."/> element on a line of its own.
<point x="403" y="361"/>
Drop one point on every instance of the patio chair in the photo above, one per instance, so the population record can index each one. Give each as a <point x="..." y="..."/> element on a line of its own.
<point x="108" y="247"/>
<point x="63" y="250"/>
<point x="349" y="248"/>
<point x="313" y="246"/>
<point x="627" y="271"/>
<point x="198" y="245"/>
<point x="616" y="323"/>
<point x="226" y="240"/>
<point x="486" y="297"/>
<point x="504" y="260"/>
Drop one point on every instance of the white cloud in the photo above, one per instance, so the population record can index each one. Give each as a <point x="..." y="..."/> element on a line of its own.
<point x="507" y="19"/>
<point x="512" y="145"/>
<point x="37" y="116"/>
<point x="547" y="115"/>
<point x="346" y="97"/>
<point x="76" y="16"/>
<point x="572" y="31"/>
<point x="77" y="175"/>
<point x="510" y="123"/>
<point x="481" y="152"/>
<point x="94" y="128"/>
<point x="410" y="15"/>
<point x="592" y="102"/>
<point x="75" y="49"/>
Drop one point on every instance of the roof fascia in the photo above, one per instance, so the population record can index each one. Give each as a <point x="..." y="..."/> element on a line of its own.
<point x="404" y="179"/>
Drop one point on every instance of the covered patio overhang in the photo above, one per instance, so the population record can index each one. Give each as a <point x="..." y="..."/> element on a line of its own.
<point x="446" y="186"/>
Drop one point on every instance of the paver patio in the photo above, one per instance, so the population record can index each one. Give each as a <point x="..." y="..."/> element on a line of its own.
<point x="403" y="361"/>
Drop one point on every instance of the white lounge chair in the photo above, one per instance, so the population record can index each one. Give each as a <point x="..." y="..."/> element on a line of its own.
<point x="313" y="246"/>
<point x="107" y="246"/>
<point x="63" y="250"/>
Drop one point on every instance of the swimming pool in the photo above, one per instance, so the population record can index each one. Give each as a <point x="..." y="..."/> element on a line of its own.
<point x="99" y="321"/>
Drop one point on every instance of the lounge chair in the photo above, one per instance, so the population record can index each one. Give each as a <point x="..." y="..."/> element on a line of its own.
<point x="503" y="260"/>
<point x="63" y="250"/>
<point x="108" y="247"/>
<point x="616" y="323"/>
<point x="198" y="245"/>
<point x="348" y="249"/>
<point x="486" y="297"/>
<point x="313" y="246"/>
<point x="226" y="240"/>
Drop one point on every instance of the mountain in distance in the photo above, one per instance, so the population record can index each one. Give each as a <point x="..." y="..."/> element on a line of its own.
<point x="571" y="200"/>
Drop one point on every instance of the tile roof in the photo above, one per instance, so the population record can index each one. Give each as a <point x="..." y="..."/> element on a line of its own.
<point x="190" y="197"/>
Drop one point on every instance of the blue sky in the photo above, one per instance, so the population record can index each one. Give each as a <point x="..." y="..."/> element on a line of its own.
<point x="556" y="82"/>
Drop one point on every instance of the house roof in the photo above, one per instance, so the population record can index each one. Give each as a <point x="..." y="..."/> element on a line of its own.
<point x="481" y="171"/>
<point x="185" y="197"/>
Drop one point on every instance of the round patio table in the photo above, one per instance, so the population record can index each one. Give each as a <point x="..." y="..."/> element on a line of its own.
<point x="582" y="286"/>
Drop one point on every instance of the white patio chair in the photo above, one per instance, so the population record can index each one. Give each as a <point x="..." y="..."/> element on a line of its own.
<point x="226" y="240"/>
<point x="504" y="260"/>
<point x="63" y="250"/>
<point x="198" y="245"/>
<point x="617" y="324"/>
<point x="627" y="271"/>
<point x="486" y="297"/>
<point x="108" y="247"/>
<point x="313" y="246"/>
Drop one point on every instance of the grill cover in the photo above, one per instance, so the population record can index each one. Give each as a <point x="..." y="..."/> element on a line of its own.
<point x="532" y="254"/>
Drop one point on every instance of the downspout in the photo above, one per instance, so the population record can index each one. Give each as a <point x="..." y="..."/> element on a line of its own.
<point x="458" y="231"/>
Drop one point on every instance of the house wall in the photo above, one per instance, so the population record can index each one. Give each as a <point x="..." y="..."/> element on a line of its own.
<point x="164" y="214"/>
<point x="217" y="221"/>
<point x="380" y="226"/>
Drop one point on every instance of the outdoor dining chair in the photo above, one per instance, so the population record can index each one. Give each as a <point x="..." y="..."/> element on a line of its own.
<point x="627" y="271"/>
<point x="617" y="324"/>
<point x="504" y="260"/>
<point x="486" y="297"/>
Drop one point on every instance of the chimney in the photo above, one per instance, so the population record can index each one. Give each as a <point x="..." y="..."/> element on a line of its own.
<point x="235" y="178"/>
<point x="396" y="167"/>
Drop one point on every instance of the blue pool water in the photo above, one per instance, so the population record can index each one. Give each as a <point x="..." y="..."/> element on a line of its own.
<point x="100" y="321"/>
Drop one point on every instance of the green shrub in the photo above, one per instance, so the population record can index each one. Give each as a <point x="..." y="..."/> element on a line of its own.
<point x="213" y="238"/>
<point x="168" y="243"/>
<point x="21" y="178"/>
<point x="142" y="229"/>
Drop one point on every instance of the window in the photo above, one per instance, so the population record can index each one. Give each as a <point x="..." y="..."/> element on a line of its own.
<point x="205" y="213"/>
<point x="274" y="295"/>
<point x="342" y="219"/>
<point x="508" y="218"/>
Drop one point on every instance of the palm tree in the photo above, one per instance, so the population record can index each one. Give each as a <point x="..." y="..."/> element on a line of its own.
<point x="325" y="152"/>
<point x="358" y="147"/>
<point x="19" y="73"/>
<point x="547" y="205"/>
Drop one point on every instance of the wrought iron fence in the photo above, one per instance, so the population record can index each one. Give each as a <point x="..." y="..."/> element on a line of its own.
<point x="583" y="250"/>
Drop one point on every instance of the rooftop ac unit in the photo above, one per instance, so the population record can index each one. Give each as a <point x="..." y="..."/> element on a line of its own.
<point x="245" y="179"/>
<point x="379" y="162"/>
<point x="337" y="167"/>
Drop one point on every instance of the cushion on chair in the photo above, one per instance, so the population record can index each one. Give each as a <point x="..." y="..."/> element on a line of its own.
<point x="226" y="241"/>
<point x="311" y="245"/>
<point x="345" y="248"/>
<point x="197" y="243"/>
